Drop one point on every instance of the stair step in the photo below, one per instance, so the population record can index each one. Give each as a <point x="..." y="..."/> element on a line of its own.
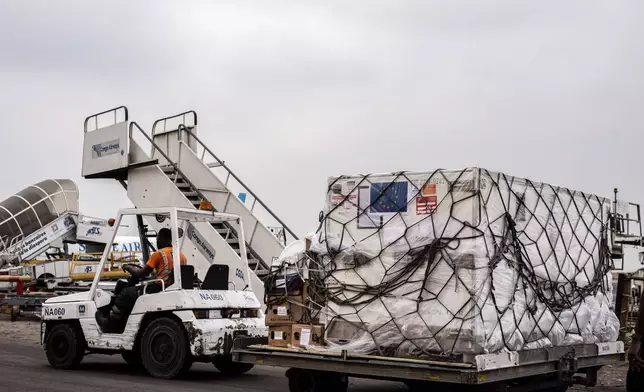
<point x="182" y="185"/>
<point x="261" y="273"/>
<point x="190" y="194"/>
<point x="238" y="251"/>
<point x="223" y="231"/>
<point x="174" y="176"/>
<point x="232" y="240"/>
<point x="214" y="164"/>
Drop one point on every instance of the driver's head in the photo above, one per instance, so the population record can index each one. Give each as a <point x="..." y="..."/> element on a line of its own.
<point x="164" y="238"/>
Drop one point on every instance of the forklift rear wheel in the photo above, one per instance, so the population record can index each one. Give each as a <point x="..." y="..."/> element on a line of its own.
<point x="164" y="349"/>
<point x="226" y="366"/>
<point x="65" y="346"/>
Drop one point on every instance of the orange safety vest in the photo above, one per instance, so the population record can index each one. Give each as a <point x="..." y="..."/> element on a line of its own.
<point x="161" y="262"/>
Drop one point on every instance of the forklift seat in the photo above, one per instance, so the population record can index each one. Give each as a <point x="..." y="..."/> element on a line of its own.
<point x="216" y="278"/>
<point x="187" y="276"/>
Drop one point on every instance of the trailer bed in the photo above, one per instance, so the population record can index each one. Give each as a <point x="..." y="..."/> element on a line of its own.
<point x="22" y="304"/>
<point x="490" y="369"/>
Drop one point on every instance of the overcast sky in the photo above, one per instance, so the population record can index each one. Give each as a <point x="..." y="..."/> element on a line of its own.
<point x="290" y="93"/>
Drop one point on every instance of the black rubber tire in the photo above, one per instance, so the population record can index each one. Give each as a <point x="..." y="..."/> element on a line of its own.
<point x="227" y="367"/>
<point x="164" y="349"/>
<point x="634" y="380"/>
<point x="15" y="313"/>
<point x="300" y="380"/>
<point x="326" y="381"/>
<point x="65" y="346"/>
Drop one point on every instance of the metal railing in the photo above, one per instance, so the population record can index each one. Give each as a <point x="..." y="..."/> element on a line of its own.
<point x="192" y="186"/>
<point x="230" y="174"/>
<point x="183" y="117"/>
<point x="174" y="165"/>
<point x="114" y="259"/>
<point x="620" y="223"/>
<point x="97" y="115"/>
<point x="14" y="247"/>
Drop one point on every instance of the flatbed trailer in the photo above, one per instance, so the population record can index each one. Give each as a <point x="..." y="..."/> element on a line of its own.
<point x="547" y="369"/>
<point x="19" y="305"/>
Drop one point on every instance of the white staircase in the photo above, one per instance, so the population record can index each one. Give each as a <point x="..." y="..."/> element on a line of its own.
<point x="174" y="172"/>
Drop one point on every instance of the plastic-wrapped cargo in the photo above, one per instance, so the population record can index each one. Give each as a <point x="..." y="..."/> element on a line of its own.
<point x="462" y="262"/>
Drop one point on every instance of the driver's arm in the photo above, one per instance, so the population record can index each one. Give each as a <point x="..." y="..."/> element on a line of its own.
<point x="147" y="269"/>
<point x="138" y="272"/>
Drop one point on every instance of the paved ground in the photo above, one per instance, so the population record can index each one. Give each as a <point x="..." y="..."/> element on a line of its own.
<point x="23" y="366"/>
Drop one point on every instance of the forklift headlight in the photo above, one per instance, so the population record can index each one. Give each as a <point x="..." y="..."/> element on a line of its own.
<point x="201" y="314"/>
<point x="207" y="313"/>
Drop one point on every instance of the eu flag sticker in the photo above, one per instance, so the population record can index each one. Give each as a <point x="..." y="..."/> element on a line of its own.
<point x="388" y="197"/>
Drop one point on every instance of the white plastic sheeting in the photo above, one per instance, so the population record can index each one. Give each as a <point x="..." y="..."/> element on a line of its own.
<point x="466" y="261"/>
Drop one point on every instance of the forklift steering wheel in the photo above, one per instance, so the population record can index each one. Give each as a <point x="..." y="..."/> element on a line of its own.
<point x="128" y="264"/>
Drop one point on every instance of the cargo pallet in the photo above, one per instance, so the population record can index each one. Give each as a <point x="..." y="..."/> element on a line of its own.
<point x="547" y="369"/>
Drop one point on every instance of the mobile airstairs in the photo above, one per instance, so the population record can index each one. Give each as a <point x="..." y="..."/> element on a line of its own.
<point x="173" y="167"/>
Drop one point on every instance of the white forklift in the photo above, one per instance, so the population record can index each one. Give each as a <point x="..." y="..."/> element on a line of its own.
<point x="194" y="319"/>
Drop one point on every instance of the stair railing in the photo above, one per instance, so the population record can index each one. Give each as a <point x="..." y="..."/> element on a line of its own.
<point x="97" y="115"/>
<point x="230" y="173"/>
<point x="178" y="171"/>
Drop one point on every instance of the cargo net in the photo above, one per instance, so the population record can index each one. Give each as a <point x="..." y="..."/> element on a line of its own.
<point x="453" y="263"/>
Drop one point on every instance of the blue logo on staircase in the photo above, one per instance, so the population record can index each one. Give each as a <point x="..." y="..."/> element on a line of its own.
<point x="242" y="197"/>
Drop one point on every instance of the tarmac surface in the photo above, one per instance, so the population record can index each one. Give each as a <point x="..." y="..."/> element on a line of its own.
<point x="23" y="366"/>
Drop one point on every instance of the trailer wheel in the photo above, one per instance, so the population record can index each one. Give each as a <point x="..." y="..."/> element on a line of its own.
<point x="226" y="366"/>
<point x="64" y="347"/>
<point x="15" y="312"/>
<point x="164" y="349"/>
<point x="300" y="380"/>
<point x="325" y="382"/>
<point x="634" y="380"/>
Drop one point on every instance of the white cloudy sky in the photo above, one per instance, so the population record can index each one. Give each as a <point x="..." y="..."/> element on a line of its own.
<point x="290" y="93"/>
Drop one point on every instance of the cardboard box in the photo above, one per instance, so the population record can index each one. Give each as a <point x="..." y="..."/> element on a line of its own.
<point x="286" y="285"/>
<point x="279" y="336"/>
<point x="285" y="313"/>
<point x="304" y="335"/>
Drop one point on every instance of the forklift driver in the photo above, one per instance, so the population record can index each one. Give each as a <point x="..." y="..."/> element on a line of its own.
<point x="160" y="264"/>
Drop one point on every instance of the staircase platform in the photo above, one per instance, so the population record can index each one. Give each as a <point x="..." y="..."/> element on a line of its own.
<point x="121" y="174"/>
